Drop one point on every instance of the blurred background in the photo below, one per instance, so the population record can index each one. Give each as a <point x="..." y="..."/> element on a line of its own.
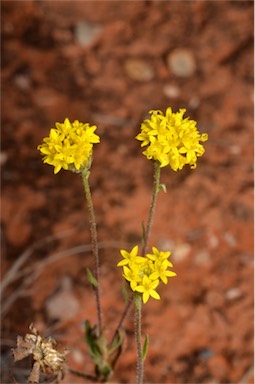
<point x="108" y="63"/>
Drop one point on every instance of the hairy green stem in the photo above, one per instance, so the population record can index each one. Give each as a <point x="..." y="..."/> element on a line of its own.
<point x="138" y="337"/>
<point x="152" y="207"/>
<point x="138" y="298"/>
<point x="93" y="231"/>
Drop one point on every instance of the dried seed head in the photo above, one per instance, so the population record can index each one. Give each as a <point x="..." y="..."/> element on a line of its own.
<point x="45" y="356"/>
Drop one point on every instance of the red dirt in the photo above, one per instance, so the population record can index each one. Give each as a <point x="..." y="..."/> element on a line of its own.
<point x="202" y="329"/>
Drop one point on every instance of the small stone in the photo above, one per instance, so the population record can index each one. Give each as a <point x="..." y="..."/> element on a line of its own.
<point x="233" y="294"/>
<point x="181" y="62"/>
<point x="213" y="241"/>
<point x="139" y="70"/>
<point x="194" y="102"/>
<point x="205" y="353"/>
<point x="86" y="33"/>
<point x="78" y="356"/>
<point x="23" y="82"/>
<point x="235" y="150"/>
<point x="166" y="245"/>
<point x="230" y="239"/>
<point x="202" y="258"/>
<point x="3" y="158"/>
<point x="181" y="252"/>
<point x="171" y="91"/>
<point x="63" y="305"/>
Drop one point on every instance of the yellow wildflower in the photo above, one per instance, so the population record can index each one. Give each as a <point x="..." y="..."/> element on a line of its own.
<point x="132" y="275"/>
<point x="128" y="257"/>
<point x="171" y="139"/>
<point x="159" y="255"/>
<point x="69" y="146"/>
<point x="144" y="273"/>
<point x="147" y="288"/>
<point x="160" y="271"/>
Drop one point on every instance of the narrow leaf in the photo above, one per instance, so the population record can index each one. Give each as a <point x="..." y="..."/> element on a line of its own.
<point x="91" y="341"/>
<point x="163" y="187"/>
<point x="117" y="341"/>
<point x="145" y="347"/>
<point x="92" y="278"/>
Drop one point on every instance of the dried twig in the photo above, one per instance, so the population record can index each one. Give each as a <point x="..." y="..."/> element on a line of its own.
<point x="12" y="273"/>
<point x="31" y="273"/>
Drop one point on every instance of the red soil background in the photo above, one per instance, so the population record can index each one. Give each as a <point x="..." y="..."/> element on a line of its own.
<point x="109" y="63"/>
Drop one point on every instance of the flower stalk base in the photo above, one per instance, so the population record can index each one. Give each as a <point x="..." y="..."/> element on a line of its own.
<point x="93" y="231"/>
<point x="138" y="337"/>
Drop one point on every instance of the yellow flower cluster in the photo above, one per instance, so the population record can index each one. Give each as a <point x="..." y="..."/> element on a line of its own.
<point x="69" y="146"/>
<point x="172" y="140"/>
<point x="145" y="273"/>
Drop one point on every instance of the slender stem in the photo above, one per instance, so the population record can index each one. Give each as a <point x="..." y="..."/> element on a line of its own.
<point x="138" y="310"/>
<point x="138" y="337"/>
<point x="123" y="317"/>
<point x="84" y="375"/>
<point x="137" y="297"/>
<point x="152" y="207"/>
<point x="93" y="231"/>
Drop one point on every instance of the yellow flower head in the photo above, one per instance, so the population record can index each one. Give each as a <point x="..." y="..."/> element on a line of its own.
<point x="171" y="139"/>
<point x="69" y="146"/>
<point x="145" y="273"/>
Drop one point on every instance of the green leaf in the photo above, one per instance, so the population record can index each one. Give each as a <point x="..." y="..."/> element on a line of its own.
<point x="91" y="340"/>
<point x="163" y="187"/>
<point x="145" y="347"/>
<point x="117" y="341"/>
<point x="99" y="352"/>
<point x="104" y="370"/>
<point x="92" y="278"/>
<point x="115" y="348"/>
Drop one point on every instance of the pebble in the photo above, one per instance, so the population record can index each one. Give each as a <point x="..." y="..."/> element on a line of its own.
<point x="171" y="91"/>
<point x="235" y="150"/>
<point x="230" y="239"/>
<point x="206" y="353"/>
<point x="3" y="157"/>
<point x="213" y="241"/>
<point x="63" y="305"/>
<point x="86" y="33"/>
<point x="194" y="102"/>
<point x="23" y="82"/>
<point x="181" y="251"/>
<point x="78" y="356"/>
<point x="233" y="294"/>
<point x="181" y="62"/>
<point x="202" y="258"/>
<point x="139" y="70"/>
